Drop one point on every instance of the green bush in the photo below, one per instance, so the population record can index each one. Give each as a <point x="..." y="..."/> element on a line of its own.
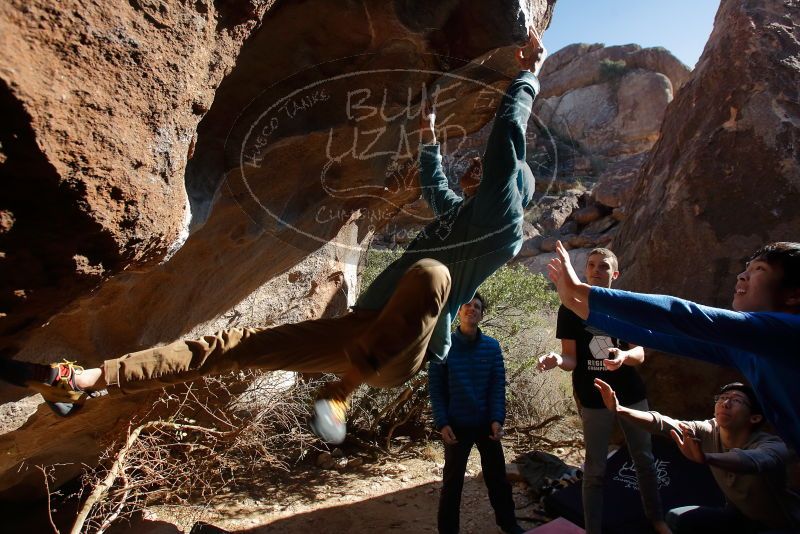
<point x="611" y="70"/>
<point x="521" y="316"/>
<point x="375" y="261"/>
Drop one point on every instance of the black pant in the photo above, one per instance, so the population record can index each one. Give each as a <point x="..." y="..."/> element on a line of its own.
<point x="494" y="475"/>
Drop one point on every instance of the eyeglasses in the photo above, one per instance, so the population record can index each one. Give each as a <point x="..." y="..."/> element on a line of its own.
<point x="735" y="401"/>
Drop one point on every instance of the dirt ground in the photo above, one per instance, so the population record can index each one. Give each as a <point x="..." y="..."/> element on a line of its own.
<point x="381" y="496"/>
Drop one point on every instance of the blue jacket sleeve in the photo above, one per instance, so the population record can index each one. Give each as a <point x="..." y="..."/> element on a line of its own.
<point x="435" y="188"/>
<point x="497" y="389"/>
<point x="762" y="333"/>
<point x="681" y="346"/>
<point x="438" y="391"/>
<point x="504" y="163"/>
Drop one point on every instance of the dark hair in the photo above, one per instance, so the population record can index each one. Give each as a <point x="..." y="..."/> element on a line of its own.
<point x="606" y="253"/>
<point x="755" y="406"/>
<point x="484" y="305"/>
<point x="785" y="254"/>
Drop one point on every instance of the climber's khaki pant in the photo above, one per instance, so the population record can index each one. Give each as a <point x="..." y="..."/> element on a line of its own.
<point x="388" y="346"/>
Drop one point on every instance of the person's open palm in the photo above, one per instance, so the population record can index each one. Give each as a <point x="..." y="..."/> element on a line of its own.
<point x="688" y="444"/>
<point x="608" y="394"/>
<point x="563" y="275"/>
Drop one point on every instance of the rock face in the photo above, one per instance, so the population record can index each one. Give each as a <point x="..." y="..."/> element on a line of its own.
<point x="723" y="179"/>
<point x="164" y="161"/>
<point x="599" y="113"/>
<point x="604" y="105"/>
<point x="104" y="139"/>
<point x="322" y="285"/>
<point x="101" y="107"/>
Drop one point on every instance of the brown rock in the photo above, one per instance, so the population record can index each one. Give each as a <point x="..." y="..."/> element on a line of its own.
<point x="354" y="463"/>
<point x="721" y="181"/>
<point x="618" y="213"/>
<point x="613" y="118"/>
<point x="606" y="102"/>
<point x="604" y="240"/>
<point x="584" y="241"/>
<point x="569" y="227"/>
<point x="340" y="464"/>
<point x="105" y="106"/>
<point x="514" y="473"/>
<point x="548" y="244"/>
<point x="641" y="98"/>
<point x="600" y="225"/>
<point x="557" y="211"/>
<point x="529" y="231"/>
<point x="580" y="65"/>
<point x="587" y="215"/>
<point x="105" y="111"/>
<point x="615" y="186"/>
<point x="565" y="240"/>
<point x="530" y="247"/>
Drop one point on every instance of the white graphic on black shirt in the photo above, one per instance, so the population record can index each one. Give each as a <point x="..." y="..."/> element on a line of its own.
<point x="627" y="475"/>
<point x="599" y="346"/>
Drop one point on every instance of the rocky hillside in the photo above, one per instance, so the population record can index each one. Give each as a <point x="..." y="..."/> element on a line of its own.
<point x="724" y="177"/>
<point x="687" y="179"/>
<point x="598" y="115"/>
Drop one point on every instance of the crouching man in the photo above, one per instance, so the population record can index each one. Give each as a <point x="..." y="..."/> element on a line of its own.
<point x="748" y="464"/>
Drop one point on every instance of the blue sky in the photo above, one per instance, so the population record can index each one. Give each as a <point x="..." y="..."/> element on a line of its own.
<point x="680" y="26"/>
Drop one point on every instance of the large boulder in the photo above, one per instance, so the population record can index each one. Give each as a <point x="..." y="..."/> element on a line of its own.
<point x="723" y="179"/>
<point x="596" y="118"/>
<point x="614" y="187"/>
<point x="608" y="100"/>
<point x="600" y="112"/>
<point x="322" y="285"/>
<point x="122" y="121"/>
<point x="163" y="161"/>
<point x="582" y="65"/>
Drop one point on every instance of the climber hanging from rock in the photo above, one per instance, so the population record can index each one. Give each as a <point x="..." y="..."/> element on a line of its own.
<point x="399" y="322"/>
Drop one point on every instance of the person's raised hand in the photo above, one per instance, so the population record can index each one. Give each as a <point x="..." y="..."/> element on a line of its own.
<point x="608" y="394"/>
<point x="532" y="56"/>
<point x="688" y="444"/>
<point x="427" y="122"/>
<point x="448" y="436"/>
<point x="549" y="361"/>
<point x="573" y="294"/>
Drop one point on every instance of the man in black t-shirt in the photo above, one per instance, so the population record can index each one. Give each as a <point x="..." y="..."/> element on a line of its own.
<point x="590" y="353"/>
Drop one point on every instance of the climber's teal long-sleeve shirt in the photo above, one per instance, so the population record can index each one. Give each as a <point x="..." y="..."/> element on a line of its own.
<point x="472" y="237"/>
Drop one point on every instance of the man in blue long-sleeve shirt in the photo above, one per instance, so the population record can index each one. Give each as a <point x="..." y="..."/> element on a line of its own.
<point x="760" y="337"/>
<point x="404" y="315"/>
<point x="468" y="398"/>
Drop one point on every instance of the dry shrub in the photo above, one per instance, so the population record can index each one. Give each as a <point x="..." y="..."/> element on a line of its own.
<point x="219" y="430"/>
